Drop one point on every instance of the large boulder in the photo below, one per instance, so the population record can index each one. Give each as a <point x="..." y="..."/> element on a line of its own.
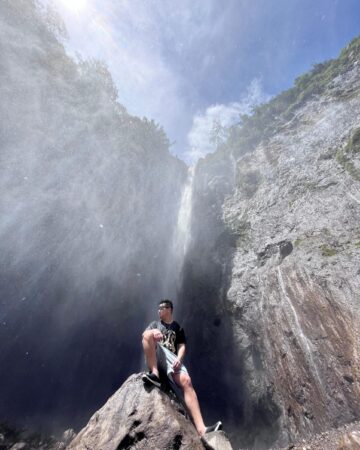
<point x="141" y="417"/>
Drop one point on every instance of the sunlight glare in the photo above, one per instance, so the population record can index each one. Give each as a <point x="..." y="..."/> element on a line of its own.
<point x="74" y="5"/>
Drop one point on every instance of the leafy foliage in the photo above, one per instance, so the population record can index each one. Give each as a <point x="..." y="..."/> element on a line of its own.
<point x="353" y="146"/>
<point x="266" y="118"/>
<point x="345" y="156"/>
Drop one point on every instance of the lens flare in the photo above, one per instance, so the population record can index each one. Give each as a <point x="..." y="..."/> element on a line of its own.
<point x="74" y="5"/>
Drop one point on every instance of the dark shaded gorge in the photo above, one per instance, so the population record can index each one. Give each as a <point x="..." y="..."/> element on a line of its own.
<point x="216" y="363"/>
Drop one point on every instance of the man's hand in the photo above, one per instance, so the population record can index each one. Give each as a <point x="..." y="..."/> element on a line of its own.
<point x="177" y="364"/>
<point x="158" y="336"/>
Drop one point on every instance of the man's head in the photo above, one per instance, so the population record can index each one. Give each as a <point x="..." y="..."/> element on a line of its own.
<point x="165" y="309"/>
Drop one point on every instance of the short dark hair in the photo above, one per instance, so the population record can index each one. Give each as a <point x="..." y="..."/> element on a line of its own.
<point x="167" y="302"/>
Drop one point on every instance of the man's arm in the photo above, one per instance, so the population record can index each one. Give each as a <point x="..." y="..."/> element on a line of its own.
<point x="180" y="356"/>
<point x="181" y="352"/>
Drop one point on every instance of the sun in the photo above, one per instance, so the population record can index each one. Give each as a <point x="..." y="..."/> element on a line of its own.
<point x="74" y="5"/>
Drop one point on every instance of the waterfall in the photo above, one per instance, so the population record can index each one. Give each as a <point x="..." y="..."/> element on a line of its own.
<point x="180" y="241"/>
<point x="182" y="235"/>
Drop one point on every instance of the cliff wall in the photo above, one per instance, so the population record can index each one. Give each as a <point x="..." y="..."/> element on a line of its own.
<point x="281" y="208"/>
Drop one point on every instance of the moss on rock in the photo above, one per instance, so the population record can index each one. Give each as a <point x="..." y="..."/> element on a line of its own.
<point x="351" y="149"/>
<point x="327" y="250"/>
<point x="353" y="145"/>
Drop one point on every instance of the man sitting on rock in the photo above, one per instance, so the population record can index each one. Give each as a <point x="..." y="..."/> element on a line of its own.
<point x="164" y="346"/>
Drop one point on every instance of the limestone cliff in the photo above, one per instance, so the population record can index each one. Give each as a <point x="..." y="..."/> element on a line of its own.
<point x="281" y="205"/>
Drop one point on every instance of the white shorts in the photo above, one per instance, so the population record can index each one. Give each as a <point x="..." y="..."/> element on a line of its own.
<point x="165" y="359"/>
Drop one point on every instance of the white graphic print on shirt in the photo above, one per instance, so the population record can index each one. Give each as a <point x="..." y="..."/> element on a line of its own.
<point x="169" y="338"/>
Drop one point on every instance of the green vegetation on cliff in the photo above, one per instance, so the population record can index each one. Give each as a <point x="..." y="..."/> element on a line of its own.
<point x="327" y="250"/>
<point x="345" y="155"/>
<point x="266" y="118"/>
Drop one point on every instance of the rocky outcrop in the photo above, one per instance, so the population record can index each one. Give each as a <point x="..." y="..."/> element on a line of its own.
<point x="345" y="437"/>
<point x="350" y="441"/>
<point x="143" y="417"/>
<point x="25" y="439"/>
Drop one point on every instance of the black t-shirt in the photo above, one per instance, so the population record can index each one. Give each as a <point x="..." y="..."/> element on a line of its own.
<point x="173" y="334"/>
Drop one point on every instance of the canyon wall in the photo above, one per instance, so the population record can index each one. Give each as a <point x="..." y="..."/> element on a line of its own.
<point x="281" y="208"/>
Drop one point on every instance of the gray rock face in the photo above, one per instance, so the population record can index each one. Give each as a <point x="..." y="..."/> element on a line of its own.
<point x="217" y="441"/>
<point x="295" y="287"/>
<point x="138" y="417"/>
<point x="350" y="441"/>
<point x="288" y="283"/>
<point x="68" y="436"/>
<point x="20" y="446"/>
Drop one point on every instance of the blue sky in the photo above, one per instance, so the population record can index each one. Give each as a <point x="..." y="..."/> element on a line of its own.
<point x="190" y="62"/>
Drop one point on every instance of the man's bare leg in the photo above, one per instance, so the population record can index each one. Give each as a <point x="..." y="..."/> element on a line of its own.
<point x="149" y="346"/>
<point x="184" y="381"/>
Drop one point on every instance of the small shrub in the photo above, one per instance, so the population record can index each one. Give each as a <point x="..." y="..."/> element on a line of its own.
<point x="240" y="228"/>
<point x="248" y="182"/>
<point x="345" y="162"/>
<point x="326" y="250"/>
<point x="353" y="145"/>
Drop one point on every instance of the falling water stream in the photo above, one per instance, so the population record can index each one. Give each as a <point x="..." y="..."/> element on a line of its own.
<point x="304" y="342"/>
<point x="180" y="241"/>
<point x="182" y="237"/>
